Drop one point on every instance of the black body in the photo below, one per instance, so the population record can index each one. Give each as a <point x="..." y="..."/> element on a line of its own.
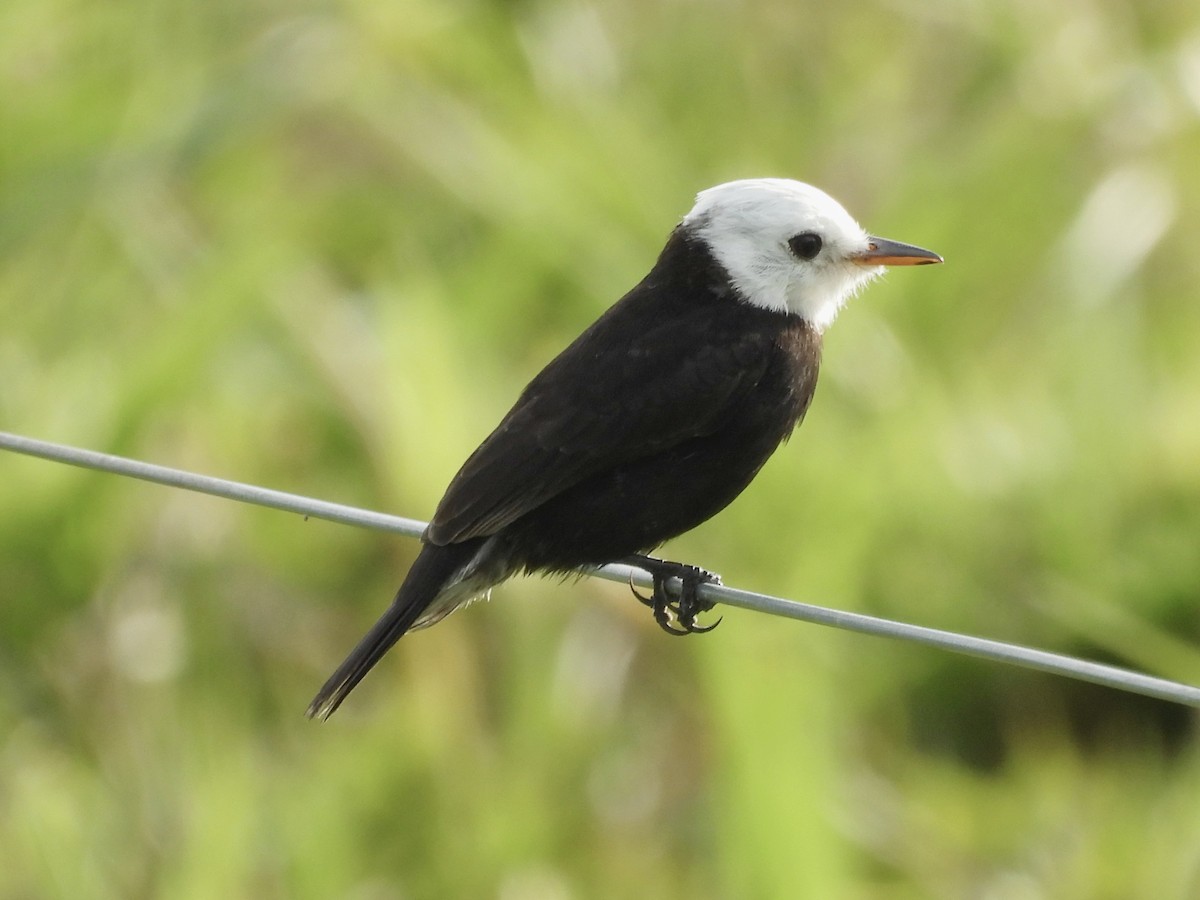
<point x="650" y="422"/>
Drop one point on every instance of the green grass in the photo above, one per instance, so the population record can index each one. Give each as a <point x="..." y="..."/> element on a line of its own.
<point x="321" y="247"/>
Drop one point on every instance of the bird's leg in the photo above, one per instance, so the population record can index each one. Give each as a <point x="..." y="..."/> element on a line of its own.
<point x="688" y="606"/>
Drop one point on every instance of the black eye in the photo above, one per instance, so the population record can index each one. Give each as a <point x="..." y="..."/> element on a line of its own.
<point x="806" y="245"/>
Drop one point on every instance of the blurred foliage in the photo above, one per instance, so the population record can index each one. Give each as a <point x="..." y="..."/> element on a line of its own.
<point x="321" y="246"/>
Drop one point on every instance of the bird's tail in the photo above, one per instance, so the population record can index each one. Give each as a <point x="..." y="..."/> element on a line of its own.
<point x="438" y="574"/>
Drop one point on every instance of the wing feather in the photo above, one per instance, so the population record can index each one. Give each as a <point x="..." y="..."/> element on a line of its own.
<point x="633" y="385"/>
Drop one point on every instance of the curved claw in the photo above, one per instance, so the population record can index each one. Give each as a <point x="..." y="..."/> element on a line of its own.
<point x="675" y="616"/>
<point x="642" y="598"/>
<point x="693" y="628"/>
<point x="665" y="624"/>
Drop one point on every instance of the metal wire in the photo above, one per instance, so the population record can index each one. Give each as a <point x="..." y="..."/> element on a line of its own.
<point x="999" y="651"/>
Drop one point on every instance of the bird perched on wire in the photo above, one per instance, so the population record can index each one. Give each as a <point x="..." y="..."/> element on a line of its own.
<point x="652" y="420"/>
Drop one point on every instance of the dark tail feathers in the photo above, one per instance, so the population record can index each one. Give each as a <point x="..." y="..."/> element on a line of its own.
<point x="433" y="569"/>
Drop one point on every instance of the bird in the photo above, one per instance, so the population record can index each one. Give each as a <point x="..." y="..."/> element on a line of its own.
<point x="653" y="419"/>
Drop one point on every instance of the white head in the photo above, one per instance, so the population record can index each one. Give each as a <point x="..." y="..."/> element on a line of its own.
<point x="790" y="247"/>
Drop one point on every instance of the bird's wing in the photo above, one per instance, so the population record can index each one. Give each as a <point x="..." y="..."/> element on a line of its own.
<point x="617" y="394"/>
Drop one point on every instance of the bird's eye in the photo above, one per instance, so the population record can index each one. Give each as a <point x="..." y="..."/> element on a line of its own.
<point x="805" y="246"/>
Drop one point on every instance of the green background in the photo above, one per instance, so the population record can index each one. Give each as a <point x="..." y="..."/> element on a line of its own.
<point x="321" y="247"/>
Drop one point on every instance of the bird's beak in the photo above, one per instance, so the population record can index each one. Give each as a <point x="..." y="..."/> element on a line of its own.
<point x="882" y="252"/>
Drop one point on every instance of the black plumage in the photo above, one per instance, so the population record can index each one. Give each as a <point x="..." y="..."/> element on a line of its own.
<point x="650" y="422"/>
<point x="642" y="428"/>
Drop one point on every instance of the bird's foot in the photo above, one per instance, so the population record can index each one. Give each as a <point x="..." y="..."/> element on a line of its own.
<point x="689" y="605"/>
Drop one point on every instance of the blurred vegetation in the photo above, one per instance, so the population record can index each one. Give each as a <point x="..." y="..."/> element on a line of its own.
<point x="321" y="247"/>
